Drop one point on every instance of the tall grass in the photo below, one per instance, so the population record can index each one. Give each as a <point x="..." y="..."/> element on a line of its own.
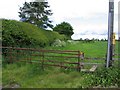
<point x="32" y="76"/>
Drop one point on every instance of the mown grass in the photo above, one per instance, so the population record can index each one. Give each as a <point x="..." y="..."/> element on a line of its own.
<point x="34" y="76"/>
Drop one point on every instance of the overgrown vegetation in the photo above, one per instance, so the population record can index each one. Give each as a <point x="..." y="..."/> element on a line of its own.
<point x="20" y="34"/>
<point x="33" y="76"/>
<point x="105" y="77"/>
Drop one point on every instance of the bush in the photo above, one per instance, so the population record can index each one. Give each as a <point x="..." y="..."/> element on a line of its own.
<point x="20" y="34"/>
<point x="106" y="77"/>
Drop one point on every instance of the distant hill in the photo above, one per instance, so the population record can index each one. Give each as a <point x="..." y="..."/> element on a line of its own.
<point x="21" y="34"/>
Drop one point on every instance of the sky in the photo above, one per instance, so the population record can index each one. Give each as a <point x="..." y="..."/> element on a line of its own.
<point x="89" y="18"/>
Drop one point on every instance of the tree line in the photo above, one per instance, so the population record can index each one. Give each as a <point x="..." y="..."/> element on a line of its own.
<point x="37" y="13"/>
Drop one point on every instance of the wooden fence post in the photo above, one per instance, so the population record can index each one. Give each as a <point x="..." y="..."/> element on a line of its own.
<point x="79" y="61"/>
<point x="43" y="60"/>
<point x="11" y="61"/>
<point x="30" y="58"/>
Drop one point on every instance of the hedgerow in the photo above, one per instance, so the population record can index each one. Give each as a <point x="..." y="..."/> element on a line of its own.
<point x="20" y="34"/>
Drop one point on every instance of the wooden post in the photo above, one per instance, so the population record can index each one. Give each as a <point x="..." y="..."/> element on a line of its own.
<point x="79" y="61"/>
<point x="113" y="43"/>
<point x="30" y="54"/>
<point x="11" y="61"/>
<point x="43" y="60"/>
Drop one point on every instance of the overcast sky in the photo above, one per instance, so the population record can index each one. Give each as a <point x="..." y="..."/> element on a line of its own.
<point x="89" y="18"/>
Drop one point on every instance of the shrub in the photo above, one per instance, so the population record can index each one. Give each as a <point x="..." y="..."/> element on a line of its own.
<point x="106" y="77"/>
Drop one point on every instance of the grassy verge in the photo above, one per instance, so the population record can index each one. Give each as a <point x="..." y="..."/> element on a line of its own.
<point x="32" y="76"/>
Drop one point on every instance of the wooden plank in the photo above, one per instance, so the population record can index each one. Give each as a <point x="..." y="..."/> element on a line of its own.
<point x="93" y="68"/>
<point x="89" y="70"/>
<point x="116" y="59"/>
<point x="84" y="70"/>
<point x="85" y="63"/>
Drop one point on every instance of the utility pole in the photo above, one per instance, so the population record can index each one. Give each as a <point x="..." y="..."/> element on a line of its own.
<point x="110" y="33"/>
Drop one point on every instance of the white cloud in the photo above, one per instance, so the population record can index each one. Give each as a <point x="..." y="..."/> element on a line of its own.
<point x="86" y="16"/>
<point x="79" y="8"/>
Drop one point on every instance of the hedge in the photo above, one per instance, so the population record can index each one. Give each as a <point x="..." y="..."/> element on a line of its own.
<point x="21" y="34"/>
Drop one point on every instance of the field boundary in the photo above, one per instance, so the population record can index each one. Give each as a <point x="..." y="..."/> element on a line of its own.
<point x="67" y="59"/>
<point x="58" y="58"/>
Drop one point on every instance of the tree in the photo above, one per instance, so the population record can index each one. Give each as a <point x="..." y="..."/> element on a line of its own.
<point x="36" y="13"/>
<point x="64" y="28"/>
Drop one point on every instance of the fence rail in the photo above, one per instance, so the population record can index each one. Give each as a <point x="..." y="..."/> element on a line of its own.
<point x="58" y="58"/>
<point x="88" y="58"/>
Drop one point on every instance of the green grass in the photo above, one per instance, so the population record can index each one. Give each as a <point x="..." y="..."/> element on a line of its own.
<point x="33" y="76"/>
<point x="97" y="49"/>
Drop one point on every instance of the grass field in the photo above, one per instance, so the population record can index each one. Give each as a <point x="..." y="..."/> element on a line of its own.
<point x="96" y="49"/>
<point x="33" y="76"/>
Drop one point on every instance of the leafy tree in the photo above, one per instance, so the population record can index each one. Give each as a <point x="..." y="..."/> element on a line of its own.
<point x="36" y="13"/>
<point x="64" y="28"/>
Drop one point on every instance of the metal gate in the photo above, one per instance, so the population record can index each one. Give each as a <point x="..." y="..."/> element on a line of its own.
<point x="57" y="58"/>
